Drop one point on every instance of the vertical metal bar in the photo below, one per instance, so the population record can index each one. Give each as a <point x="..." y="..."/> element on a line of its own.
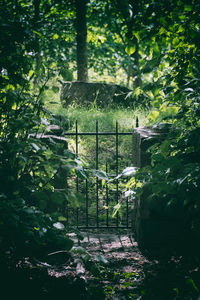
<point x="117" y="167"/>
<point x="76" y="138"/>
<point x="137" y="122"/>
<point x="77" y="183"/>
<point x="107" y="197"/>
<point x="67" y="212"/>
<point x="97" y="166"/>
<point x="86" y="187"/>
<point x="127" y="212"/>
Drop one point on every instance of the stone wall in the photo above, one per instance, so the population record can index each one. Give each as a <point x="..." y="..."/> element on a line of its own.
<point x="53" y="137"/>
<point x="155" y="232"/>
<point x="143" y="138"/>
<point x="99" y="94"/>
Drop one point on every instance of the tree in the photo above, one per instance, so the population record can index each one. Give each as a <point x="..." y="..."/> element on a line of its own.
<point x="81" y="40"/>
<point x="28" y="164"/>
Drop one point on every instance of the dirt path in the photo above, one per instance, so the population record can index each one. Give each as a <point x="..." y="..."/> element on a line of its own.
<point x="120" y="250"/>
<point x="129" y="275"/>
<point x="105" y="266"/>
<point x="123" y="264"/>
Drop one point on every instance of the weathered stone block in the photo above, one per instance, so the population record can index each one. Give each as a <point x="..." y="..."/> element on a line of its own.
<point x="157" y="229"/>
<point x="100" y="94"/>
<point x="143" y="139"/>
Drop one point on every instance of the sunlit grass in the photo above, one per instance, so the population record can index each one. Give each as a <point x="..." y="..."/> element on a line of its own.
<point x="106" y="117"/>
<point x="86" y="119"/>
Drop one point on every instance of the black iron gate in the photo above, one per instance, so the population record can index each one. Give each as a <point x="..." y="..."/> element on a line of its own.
<point x="90" y="215"/>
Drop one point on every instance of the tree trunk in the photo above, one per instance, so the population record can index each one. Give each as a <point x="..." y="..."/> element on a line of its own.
<point x="81" y="39"/>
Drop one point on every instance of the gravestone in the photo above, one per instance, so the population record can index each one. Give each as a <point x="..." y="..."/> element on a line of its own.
<point x="94" y="93"/>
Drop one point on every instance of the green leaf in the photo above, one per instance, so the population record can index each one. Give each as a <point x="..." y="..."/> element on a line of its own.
<point x="187" y="7"/>
<point x="95" y="270"/>
<point x="10" y="87"/>
<point x="176" y="290"/>
<point x="100" y="174"/>
<point x="29" y="210"/>
<point x="35" y="146"/>
<point x="115" y="209"/>
<point x="69" y="154"/>
<point x="165" y="147"/>
<point x="130" y="49"/>
<point x="153" y="115"/>
<point x="75" y="199"/>
<point x="68" y="244"/>
<point x="62" y="219"/>
<point x="162" y="31"/>
<point x="180" y="29"/>
<point x="55" y="36"/>
<point x="38" y="33"/>
<point x="156" y="49"/>
<point x="79" y="235"/>
<point x="81" y="172"/>
<point x="31" y="73"/>
<point x="78" y="161"/>
<point x="79" y="250"/>
<point x="128" y="171"/>
<point x="128" y="193"/>
<point x="163" y="21"/>
<point x="59" y="225"/>
<point x="101" y="259"/>
<point x="172" y="110"/>
<point x="137" y="91"/>
<point x="191" y="282"/>
<point x="175" y="41"/>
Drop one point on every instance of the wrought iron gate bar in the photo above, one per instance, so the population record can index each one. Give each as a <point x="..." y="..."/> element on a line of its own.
<point x="76" y="134"/>
<point x="104" y="227"/>
<point x="107" y="224"/>
<point x="77" y="181"/>
<point x="97" y="133"/>
<point x="98" y="221"/>
<point x="117" y="162"/>
<point x="86" y="198"/>
<point x="127" y="216"/>
<point x="97" y="167"/>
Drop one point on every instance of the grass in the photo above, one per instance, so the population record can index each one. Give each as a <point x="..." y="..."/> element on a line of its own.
<point x="107" y="117"/>
<point x="86" y="119"/>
